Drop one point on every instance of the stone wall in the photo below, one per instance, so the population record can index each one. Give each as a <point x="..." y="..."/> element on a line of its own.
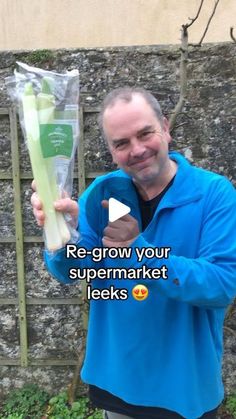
<point x="205" y="133"/>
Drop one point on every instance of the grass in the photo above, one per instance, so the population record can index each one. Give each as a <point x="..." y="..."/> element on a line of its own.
<point x="32" y="402"/>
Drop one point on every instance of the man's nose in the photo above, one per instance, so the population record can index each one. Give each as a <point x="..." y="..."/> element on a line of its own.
<point x="137" y="148"/>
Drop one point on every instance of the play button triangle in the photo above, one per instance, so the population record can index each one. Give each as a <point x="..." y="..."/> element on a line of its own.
<point x="117" y="209"/>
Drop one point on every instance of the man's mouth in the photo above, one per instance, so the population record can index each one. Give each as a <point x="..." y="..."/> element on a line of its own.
<point x="141" y="163"/>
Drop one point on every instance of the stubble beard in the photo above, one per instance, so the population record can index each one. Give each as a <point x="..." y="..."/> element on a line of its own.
<point x="159" y="175"/>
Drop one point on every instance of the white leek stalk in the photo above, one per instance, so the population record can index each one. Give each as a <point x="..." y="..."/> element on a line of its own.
<point x="31" y="123"/>
<point x="46" y="108"/>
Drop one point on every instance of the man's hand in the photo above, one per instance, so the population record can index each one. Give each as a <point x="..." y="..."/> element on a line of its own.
<point x="120" y="233"/>
<point x="65" y="205"/>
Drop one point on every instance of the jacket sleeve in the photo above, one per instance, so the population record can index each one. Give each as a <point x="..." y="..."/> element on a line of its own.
<point x="210" y="279"/>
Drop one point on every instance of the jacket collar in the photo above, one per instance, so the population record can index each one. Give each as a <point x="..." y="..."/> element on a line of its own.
<point x="185" y="186"/>
<point x="183" y="190"/>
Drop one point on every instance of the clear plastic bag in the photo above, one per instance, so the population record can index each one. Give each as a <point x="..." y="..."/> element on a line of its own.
<point x="48" y="106"/>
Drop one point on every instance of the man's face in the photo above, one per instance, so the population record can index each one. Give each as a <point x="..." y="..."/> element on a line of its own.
<point x="137" y="142"/>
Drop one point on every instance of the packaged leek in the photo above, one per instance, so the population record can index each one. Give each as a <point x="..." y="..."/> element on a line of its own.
<point x="48" y="105"/>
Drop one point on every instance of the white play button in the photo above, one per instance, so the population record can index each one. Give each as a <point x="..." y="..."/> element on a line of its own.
<point x="117" y="209"/>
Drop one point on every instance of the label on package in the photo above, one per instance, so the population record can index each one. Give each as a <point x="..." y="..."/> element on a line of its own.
<point x="56" y="140"/>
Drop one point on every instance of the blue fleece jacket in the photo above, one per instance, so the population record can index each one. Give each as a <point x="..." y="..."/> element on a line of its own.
<point x="165" y="351"/>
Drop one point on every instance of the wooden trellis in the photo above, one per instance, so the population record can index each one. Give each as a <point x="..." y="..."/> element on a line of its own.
<point x="22" y="302"/>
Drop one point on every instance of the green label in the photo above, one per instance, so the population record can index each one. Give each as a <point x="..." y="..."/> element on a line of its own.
<point x="56" y="140"/>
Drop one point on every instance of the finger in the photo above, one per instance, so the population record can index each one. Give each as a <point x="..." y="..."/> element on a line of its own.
<point x="105" y="204"/>
<point x="127" y="218"/>
<point x="123" y="223"/>
<point x="33" y="185"/>
<point x="40" y="216"/>
<point x="107" y="242"/>
<point x="110" y="232"/>
<point x="118" y="224"/>
<point x="67" y="205"/>
<point x="35" y="201"/>
<point x="116" y="227"/>
<point x="113" y="243"/>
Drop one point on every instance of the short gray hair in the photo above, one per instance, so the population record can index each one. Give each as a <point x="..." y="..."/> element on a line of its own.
<point x="126" y="94"/>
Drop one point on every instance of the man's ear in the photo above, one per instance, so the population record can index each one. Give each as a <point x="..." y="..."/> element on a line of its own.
<point x="110" y="150"/>
<point x="166" y="129"/>
<point x="113" y="157"/>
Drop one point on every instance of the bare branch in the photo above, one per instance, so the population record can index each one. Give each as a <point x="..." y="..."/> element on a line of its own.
<point x="195" y="18"/>
<point x="230" y="312"/>
<point x="181" y="125"/>
<point x="230" y="330"/>
<point x="76" y="380"/>
<point x="183" y="76"/>
<point x="184" y="58"/>
<point x="171" y="99"/>
<point x="208" y="23"/>
<point x="186" y="115"/>
<point x="232" y="34"/>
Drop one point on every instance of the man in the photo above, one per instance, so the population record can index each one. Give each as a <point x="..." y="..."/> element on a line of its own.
<point x="160" y="357"/>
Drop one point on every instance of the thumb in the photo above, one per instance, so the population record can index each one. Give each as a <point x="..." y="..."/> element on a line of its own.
<point x="33" y="185"/>
<point x="105" y="203"/>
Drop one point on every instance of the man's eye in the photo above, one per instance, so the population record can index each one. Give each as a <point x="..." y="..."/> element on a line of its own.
<point x="146" y="134"/>
<point x="121" y="145"/>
